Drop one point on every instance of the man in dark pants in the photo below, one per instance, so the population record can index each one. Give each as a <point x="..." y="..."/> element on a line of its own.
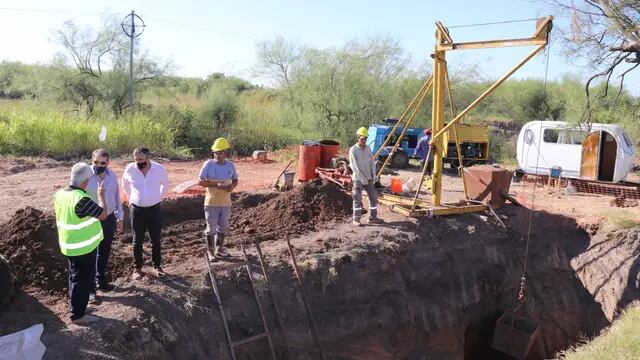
<point x="79" y="234"/>
<point x="145" y="182"/>
<point x="103" y="175"/>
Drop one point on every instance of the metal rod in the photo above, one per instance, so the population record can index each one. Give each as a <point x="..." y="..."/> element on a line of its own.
<point x="258" y="302"/>
<point x="404" y="129"/>
<point x="314" y="330"/>
<point x="489" y="90"/>
<point x="220" y="308"/>
<point x="424" y="87"/>
<point x="493" y="44"/>
<point x="452" y="108"/>
<point x="424" y="171"/>
<point x="461" y="166"/>
<point x="273" y="299"/>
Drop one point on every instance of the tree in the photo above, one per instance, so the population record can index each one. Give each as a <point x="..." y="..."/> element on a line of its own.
<point x="606" y="33"/>
<point x="339" y="88"/>
<point x="101" y="62"/>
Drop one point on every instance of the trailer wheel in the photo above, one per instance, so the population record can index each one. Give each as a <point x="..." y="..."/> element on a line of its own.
<point x="400" y="160"/>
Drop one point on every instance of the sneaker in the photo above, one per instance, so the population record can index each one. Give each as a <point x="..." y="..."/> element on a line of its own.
<point x="356" y="223"/>
<point x="137" y="274"/>
<point x="85" y="320"/>
<point x="93" y="299"/>
<point x="106" y="287"/>
<point x="210" y="255"/>
<point x="159" y="271"/>
<point x="376" y="221"/>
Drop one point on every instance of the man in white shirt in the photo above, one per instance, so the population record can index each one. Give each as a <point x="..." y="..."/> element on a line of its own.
<point x="145" y="182"/>
<point x="363" y="165"/>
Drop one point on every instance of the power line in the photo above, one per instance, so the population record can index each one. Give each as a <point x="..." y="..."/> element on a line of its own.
<point x="492" y="23"/>
<point x="198" y="27"/>
<point x="51" y="11"/>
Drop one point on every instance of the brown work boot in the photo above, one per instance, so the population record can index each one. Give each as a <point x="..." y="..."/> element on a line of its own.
<point x="376" y="221"/>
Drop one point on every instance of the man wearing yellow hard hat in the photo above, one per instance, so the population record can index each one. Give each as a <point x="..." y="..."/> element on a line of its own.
<point x="219" y="177"/>
<point x="363" y="165"/>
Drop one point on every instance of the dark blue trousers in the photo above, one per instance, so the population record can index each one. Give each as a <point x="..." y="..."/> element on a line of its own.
<point x="82" y="270"/>
<point x="104" y="249"/>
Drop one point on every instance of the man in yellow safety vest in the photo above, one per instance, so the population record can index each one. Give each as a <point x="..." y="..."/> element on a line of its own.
<point x="79" y="234"/>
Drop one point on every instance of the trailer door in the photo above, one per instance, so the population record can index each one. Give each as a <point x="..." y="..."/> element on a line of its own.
<point x="590" y="156"/>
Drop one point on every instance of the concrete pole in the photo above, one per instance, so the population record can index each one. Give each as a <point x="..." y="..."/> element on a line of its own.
<point x="133" y="32"/>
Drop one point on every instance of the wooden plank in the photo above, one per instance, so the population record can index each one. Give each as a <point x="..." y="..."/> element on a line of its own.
<point x="397" y="199"/>
<point x="249" y="339"/>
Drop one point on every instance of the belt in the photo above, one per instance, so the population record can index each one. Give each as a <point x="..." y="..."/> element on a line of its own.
<point x="145" y="207"/>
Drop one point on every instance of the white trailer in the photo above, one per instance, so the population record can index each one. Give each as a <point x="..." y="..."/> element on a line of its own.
<point x="603" y="153"/>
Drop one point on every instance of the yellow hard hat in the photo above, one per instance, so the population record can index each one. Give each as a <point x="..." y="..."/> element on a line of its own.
<point x="363" y="132"/>
<point x="221" y="144"/>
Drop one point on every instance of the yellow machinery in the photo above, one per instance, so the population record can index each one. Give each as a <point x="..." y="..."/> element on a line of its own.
<point x="476" y="137"/>
<point x="439" y="81"/>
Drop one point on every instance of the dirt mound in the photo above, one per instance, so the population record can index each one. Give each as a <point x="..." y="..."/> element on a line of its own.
<point x="295" y="212"/>
<point x="30" y="244"/>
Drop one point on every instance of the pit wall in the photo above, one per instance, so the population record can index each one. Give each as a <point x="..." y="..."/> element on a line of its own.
<point x="429" y="291"/>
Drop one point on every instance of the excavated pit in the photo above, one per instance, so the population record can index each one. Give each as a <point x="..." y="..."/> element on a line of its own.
<point x="426" y="289"/>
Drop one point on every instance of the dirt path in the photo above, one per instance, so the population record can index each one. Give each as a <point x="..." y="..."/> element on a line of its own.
<point x="32" y="181"/>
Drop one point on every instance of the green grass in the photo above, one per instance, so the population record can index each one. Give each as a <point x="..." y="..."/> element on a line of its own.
<point x="59" y="135"/>
<point x="622" y="219"/>
<point x="620" y="342"/>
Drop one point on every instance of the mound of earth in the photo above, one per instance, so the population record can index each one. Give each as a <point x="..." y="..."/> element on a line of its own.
<point x="295" y="212"/>
<point x="29" y="242"/>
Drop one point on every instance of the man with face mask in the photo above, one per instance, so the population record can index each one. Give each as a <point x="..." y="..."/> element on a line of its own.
<point x="219" y="177"/>
<point x="79" y="234"/>
<point x="363" y="165"/>
<point x="145" y="182"/>
<point x="112" y="225"/>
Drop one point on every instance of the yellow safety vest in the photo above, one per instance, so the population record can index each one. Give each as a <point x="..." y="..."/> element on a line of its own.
<point x="76" y="236"/>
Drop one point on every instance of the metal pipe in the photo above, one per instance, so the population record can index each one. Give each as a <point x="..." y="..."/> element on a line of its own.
<point x="489" y="91"/>
<point x="404" y="129"/>
<point x="424" y="171"/>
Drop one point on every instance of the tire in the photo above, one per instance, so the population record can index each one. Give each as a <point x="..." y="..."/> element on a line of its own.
<point x="400" y="160"/>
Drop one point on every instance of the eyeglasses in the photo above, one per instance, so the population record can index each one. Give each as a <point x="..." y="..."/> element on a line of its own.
<point x="96" y="162"/>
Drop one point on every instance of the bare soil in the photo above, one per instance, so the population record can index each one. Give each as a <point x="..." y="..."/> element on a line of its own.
<point x="410" y="288"/>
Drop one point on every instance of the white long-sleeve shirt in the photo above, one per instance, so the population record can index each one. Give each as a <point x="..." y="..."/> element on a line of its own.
<point x="145" y="190"/>
<point x="362" y="163"/>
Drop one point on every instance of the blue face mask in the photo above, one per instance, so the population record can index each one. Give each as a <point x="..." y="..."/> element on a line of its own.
<point x="99" y="169"/>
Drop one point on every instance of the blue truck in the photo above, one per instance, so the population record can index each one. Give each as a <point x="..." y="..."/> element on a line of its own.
<point x="474" y="144"/>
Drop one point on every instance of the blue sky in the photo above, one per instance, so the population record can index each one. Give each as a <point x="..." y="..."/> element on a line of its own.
<point x="201" y="37"/>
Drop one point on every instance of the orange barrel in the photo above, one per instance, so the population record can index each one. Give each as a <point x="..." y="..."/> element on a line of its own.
<point x="308" y="160"/>
<point x="329" y="150"/>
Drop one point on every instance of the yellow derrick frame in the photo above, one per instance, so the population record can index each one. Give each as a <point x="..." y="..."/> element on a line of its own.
<point x="437" y="82"/>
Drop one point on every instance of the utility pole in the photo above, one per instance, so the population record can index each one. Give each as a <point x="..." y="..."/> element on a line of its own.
<point x="130" y="24"/>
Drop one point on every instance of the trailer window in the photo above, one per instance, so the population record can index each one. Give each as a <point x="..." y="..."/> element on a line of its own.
<point x="578" y="136"/>
<point x="551" y="136"/>
<point x="627" y="140"/>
